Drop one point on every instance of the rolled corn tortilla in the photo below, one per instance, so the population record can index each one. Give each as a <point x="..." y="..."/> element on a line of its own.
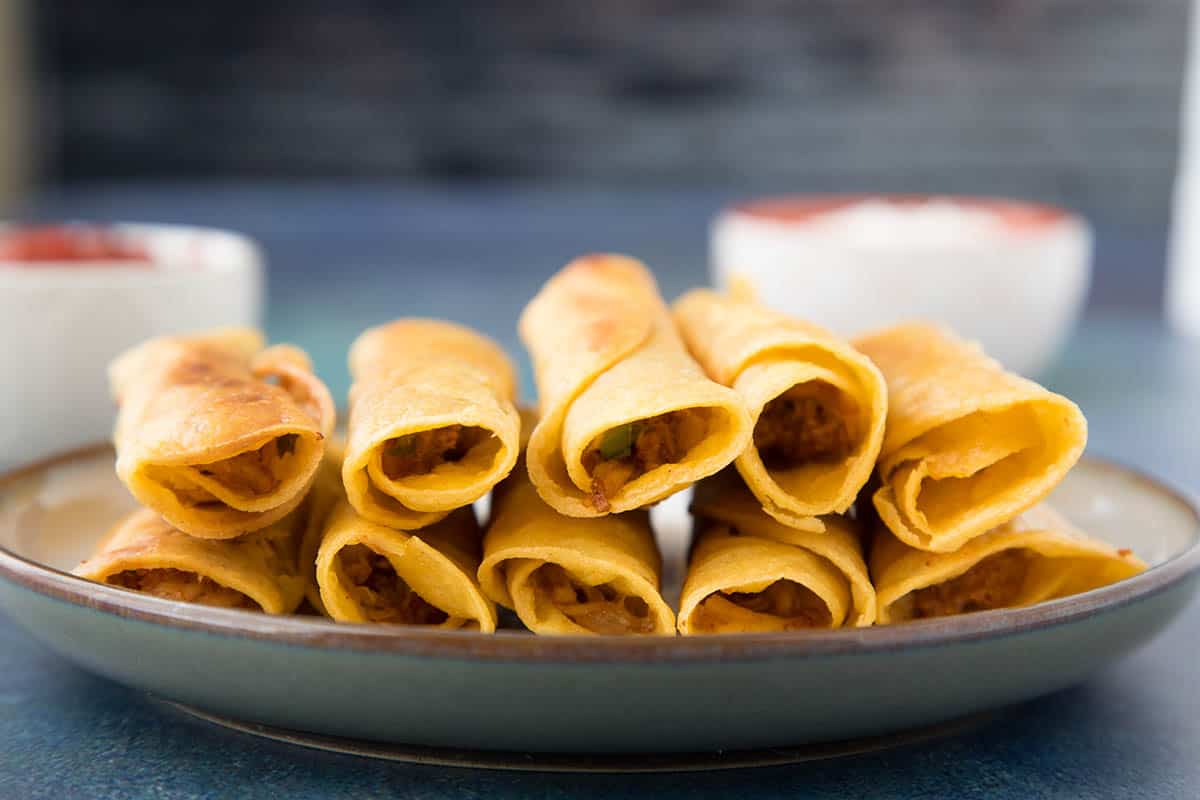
<point x="1036" y="557"/>
<point x="258" y="571"/>
<point x="817" y="404"/>
<point x="628" y="417"/>
<point x="571" y="575"/>
<point x="216" y="434"/>
<point x="368" y="572"/>
<point x="326" y="492"/>
<point x="968" y="446"/>
<point x="751" y="573"/>
<point x="432" y="422"/>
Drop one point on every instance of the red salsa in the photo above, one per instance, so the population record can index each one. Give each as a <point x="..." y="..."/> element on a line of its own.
<point x="81" y="243"/>
<point x="803" y="208"/>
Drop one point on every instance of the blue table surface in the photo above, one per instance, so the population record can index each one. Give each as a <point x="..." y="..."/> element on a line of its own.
<point x="346" y="257"/>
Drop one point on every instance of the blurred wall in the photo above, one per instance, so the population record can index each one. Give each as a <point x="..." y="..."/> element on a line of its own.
<point x="1073" y="101"/>
<point x="16" y="157"/>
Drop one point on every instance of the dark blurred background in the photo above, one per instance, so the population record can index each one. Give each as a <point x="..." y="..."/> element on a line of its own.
<point x="363" y="139"/>
<point x="1073" y="101"/>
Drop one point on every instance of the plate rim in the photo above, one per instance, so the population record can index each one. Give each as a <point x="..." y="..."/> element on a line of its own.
<point x="517" y="646"/>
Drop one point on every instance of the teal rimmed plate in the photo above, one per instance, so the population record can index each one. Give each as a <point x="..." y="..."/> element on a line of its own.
<point x="518" y="693"/>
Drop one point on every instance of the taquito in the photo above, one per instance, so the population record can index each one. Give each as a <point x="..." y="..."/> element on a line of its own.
<point x="571" y="575"/>
<point x="258" y="571"/>
<point x="432" y="422"/>
<point x="627" y="416"/>
<point x="216" y="434"/>
<point x="1038" y="556"/>
<point x="369" y="572"/>
<point x="748" y="572"/>
<point x="817" y="404"/>
<point x="326" y="492"/>
<point x="968" y="446"/>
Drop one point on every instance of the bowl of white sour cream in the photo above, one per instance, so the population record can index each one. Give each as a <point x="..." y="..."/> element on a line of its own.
<point x="1013" y="275"/>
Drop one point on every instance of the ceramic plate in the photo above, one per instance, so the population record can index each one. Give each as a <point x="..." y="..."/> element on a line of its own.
<point x="516" y="692"/>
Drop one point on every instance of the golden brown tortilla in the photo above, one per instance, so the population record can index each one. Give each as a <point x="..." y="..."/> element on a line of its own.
<point x="327" y="491"/>
<point x="367" y="572"/>
<point x="628" y="417"/>
<point x="968" y="446"/>
<point x="258" y="571"/>
<point x="750" y="573"/>
<point x="818" y="405"/>
<point x="570" y="575"/>
<point x="218" y="435"/>
<point x="433" y="425"/>
<point x="1036" y="557"/>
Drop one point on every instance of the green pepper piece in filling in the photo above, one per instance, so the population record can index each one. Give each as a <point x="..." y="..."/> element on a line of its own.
<point x="403" y="446"/>
<point x="618" y="442"/>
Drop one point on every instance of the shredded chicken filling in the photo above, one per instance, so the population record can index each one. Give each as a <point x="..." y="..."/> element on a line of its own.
<point x="175" y="584"/>
<point x="630" y="451"/>
<point x="255" y="472"/>
<point x="420" y="453"/>
<point x="600" y="609"/>
<point x="787" y="600"/>
<point x="383" y="595"/>
<point x="810" y="422"/>
<point x="995" y="582"/>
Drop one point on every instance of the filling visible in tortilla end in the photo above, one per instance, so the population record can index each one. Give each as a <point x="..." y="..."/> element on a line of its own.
<point x="600" y="609"/>
<point x="810" y="422"/>
<point x="995" y="582"/>
<point x="255" y="472"/>
<point x="383" y="595"/>
<point x="176" y="584"/>
<point x="622" y="454"/>
<point x="796" y="606"/>
<point x="422" y="452"/>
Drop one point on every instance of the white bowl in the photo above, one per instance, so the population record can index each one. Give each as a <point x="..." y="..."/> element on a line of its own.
<point x="62" y="323"/>
<point x="1009" y="274"/>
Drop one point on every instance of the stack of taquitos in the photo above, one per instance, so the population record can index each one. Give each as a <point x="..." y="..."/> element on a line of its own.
<point x="357" y="570"/>
<point x="433" y="427"/>
<point x="773" y="549"/>
<point x="221" y="440"/>
<point x="969" y="453"/>
<point x="249" y="506"/>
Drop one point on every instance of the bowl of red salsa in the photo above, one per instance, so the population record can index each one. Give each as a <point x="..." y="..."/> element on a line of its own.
<point x="72" y="247"/>
<point x="74" y="295"/>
